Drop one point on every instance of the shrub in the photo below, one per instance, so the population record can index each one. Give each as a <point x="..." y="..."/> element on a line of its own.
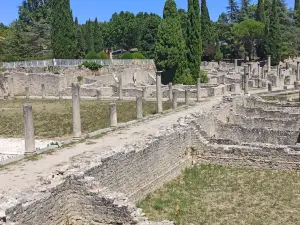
<point x="92" y="65"/>
<point x="80" y="78"/>
<point x="92" y="55"/>
<point x="102" y="55"/>
<point x="138" y="55"/>
<point x="219" y="56"/>
<point x="203" y="76"/>
<point x="126" y="55"/>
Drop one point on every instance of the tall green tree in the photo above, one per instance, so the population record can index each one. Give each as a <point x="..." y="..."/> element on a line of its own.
<point x="273" y="38"/>
<point x="260" y="11"/>
<point x="62" y="29"/>
<point x="233" y="11"/>
<point x="98" y="39"/>
<point x="208" y="37"/>
<point x="194" y="42"/>
<point x="89" y="36"/>
<point x="148" y="35"/>
<point x="170" y="46"/>
<point x="297" y="5"/>
<point x="80" y="44"/>
<point x="245" y="10"/>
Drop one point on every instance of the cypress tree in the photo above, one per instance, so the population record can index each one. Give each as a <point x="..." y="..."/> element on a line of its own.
<point x="194" y="42"/>
<point x="170" y="45"/>
<point x="273" y="42"/>
<point x="80" y="45"/>
<point x="206" y="26"/>
<point x="98" y="40"/>
<point x="62" y="29"/>
<point x="297" y="4"/>
<point x="260" y="11"/>
<point x="89" y="36"/>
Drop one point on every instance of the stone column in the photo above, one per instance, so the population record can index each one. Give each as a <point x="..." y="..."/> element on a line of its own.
<point x="298" y="71"/>
<point x="236" y="65"/>
<point x="170" y="92"/>
<point x="269" y="63"/>
<point x="98" y="94"/>
<point x="27" y="92"/>
<point x="250" y="69"/>
<point x="159" y="108"/>
<point x="139" y="108"/>
<point x="198" y="89"/>
<point x="270" y="87"/>
<point x="113" y="114"/>
<point x="258" y="70"/>
<point x="174" y="102"/>
<point x="29" y="130"/>
<point x="120" y="88"/>
<point x="243" y="77"/>
<point x="296" y="85"/>
<point x="43" y="91"/>
<point x="76" y="111"/>
<point x="11" y="87"/>
<point x="187" y="97"/>
<point x="259" y="83"/>
<point x="246" y="85"/>
<point x="144" y="93"/>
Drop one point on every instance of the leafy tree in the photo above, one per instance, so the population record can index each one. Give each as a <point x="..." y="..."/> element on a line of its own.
<point x="183" y="19"/>
<point x="260" y="11"/>
<point x="170" y="46"/>
<point x="233" y="11"/>
<point x="123" y="30"/>
<point x="273" y="39"/>
<point x="249" y="32"/>
<point x="98" y="39"/>
<point x="148" y="35"/>
<point x="80" y="45"/>
<point x="297" y="5"/>
<point x="62" y="29"/>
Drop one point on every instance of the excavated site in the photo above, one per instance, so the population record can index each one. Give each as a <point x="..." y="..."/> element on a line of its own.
<point x="102" y="185"/>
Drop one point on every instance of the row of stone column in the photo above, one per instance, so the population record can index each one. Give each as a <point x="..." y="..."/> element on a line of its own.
<point x="76" y="118"/>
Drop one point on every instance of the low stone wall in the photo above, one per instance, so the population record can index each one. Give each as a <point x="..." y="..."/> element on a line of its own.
<point x="82" y="193"/>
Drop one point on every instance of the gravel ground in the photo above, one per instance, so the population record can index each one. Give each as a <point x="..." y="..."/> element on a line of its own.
<point x="10" y="147"/>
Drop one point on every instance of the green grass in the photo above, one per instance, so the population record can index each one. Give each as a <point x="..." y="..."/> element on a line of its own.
<point x="53" y="118"/>
<point x="212" y="194"/>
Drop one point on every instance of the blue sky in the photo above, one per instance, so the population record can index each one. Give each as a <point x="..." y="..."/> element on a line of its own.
<point x="103" y="9"/>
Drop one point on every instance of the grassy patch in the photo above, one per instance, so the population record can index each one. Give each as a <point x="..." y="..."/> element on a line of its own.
<point x="53" y="118"/>
<point x="212" y="194"/>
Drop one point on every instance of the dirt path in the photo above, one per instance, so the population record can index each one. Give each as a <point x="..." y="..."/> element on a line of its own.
<point x="25" y="174"/>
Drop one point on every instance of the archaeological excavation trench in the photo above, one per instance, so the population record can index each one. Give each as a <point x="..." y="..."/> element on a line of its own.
<point x="102" y="188"/>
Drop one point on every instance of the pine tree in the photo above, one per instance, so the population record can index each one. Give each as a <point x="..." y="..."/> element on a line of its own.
<point x="80" y="45"/>
<point x="233" y="11"/>
<point x="206" y="27"/>
<point x="244" y="14"/>
<point x="273" y="42"/>
<point x="98" y="39"/>
<point x="260" y="11"/>
<point x="170" y="44"/>
<point x="62" y="33"/>
<point x="194" y="42"/>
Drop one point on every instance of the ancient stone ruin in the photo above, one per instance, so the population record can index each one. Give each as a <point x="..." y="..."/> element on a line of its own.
<point x="232" y="127"/>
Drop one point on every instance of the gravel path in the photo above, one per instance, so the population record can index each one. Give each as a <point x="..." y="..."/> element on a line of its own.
<point x="24" y="175"/>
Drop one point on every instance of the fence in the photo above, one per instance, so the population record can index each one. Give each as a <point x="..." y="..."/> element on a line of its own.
<point x="75" y="62"/>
